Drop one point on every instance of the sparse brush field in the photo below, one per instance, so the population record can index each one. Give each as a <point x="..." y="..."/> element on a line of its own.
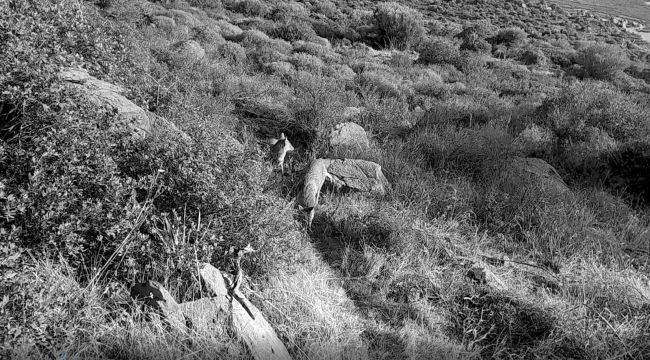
<point x="515" y="138"/>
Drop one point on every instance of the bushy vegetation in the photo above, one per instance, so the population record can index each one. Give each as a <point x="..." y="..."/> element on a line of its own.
<point x="602" y="61"/>
<point x="399" y="26"/>
<point x="480" y="249"/>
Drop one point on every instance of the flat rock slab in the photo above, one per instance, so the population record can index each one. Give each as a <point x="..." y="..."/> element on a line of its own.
<point x="361" y="175"/>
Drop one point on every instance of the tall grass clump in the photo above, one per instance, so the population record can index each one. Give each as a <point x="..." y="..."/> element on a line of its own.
<point x="399" y="26"/>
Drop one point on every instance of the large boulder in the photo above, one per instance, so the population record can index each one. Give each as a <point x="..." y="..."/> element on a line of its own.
<point x="525" y="177"/>
<point x="104" y="94"/>
<point x="101" y="93"/>
<point x="348" y="137"/>
<point x="356" y="174"/>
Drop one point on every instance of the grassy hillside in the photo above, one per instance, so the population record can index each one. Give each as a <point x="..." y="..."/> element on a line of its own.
<point x="465" y="257"/>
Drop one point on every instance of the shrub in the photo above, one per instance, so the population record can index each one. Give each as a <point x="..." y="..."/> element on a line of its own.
<point x="285" y="11"/>
<point x="532" y="56"/>
<point x="294" y="29"/>
<point x="328" y="8"/>
<point x="303" y="61"/>
<point x="232" y="52"/>
<point x="510" y="37"/>
<point x="438" y="50"/>
<point x="318" y="50"/>
<point x="597" y="104"/>
<point x="382" y="83"/>
<point x="399" y="26"/>
<point x="602" y="61"/>
<point x="340" y="71"/>
<point x="474" y="34"/>
<point x="251" y="7"/>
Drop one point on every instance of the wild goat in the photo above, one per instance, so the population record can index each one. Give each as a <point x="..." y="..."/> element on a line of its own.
<point x="279" y="149"/>
<point x="310" y="194"/>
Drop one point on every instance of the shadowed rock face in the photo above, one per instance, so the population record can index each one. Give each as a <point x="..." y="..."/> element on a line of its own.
<point x="526" y="175"/>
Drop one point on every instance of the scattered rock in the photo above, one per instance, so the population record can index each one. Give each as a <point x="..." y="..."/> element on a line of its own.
<point x="527" y="176"/>
<point x="356" y="174"/>
<point x="188" y="51"/>
<point x="349" y="136"/>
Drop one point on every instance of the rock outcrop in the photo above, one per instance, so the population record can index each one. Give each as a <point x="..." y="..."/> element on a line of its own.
<point x="103" y="94"/>
<point x="206" y="316"/>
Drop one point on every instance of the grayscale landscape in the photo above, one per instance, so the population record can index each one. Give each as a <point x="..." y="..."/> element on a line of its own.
<point x="324" y="179"/>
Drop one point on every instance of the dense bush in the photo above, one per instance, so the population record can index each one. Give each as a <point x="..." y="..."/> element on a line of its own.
<point x="510" y="37"/>
<point x="602" y="61"/>
<point x="438" y="50"/>
<point x="293" y="30"/>
<point x="398" y="25"/>
<point x="474" y="36"/>
<point x="597" y="104"/>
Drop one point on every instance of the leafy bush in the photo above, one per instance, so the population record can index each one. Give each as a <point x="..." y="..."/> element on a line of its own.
<point x="399" y="26"/>
<point x="438" y="50"/>
<point x="602" y="61"/>
<point x="597" y="104"/>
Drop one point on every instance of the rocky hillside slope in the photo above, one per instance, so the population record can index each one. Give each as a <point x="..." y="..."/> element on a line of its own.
<point x="485" y="190"/>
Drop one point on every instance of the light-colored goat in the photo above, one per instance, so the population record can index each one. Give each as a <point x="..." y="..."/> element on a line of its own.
<point x="310" y="193"/>
<point x="279" y="149"/>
